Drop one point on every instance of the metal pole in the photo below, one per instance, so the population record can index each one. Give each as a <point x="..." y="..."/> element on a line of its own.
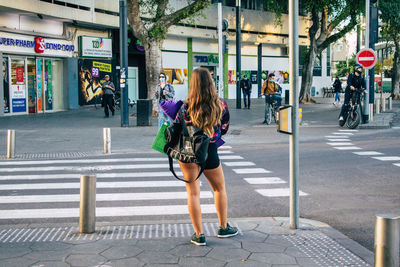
<point x="387" y="232"/>
<point x="87" y="216"/>
<point x="123" y="33"/>
<point x="371" y="112"/>
<point x="259" y="69"/>
<point x="390" y="103"/>
<point x="367" y="27"/>
<point x="11" y="144"/>
<point x="294" y="102"/>
<point x="107" y="140"/>
<point x="220" y="53"/>
<point x="238" y="55"/>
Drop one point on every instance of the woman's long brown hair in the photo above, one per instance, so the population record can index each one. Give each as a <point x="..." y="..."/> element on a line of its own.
<point x="204" y="105"/>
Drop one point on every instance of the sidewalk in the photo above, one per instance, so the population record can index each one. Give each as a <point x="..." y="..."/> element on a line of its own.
<point x="261" y="242"/>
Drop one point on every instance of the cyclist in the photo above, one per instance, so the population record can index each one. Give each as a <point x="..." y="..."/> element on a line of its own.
<point x="272" y="92"/>
<point x="355" y="83"/>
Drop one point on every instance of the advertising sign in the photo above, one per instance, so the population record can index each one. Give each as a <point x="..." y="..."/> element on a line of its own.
<point x="18" y="97"/>
<point x="39" y="45"/>
<point x="95" y="47"/>
<point x="91" y="76"/>
<point x="39" y="85"/>
<point x="20" y="75"/>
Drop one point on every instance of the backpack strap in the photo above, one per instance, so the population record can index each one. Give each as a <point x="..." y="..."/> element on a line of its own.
<point x="171" y="168"/>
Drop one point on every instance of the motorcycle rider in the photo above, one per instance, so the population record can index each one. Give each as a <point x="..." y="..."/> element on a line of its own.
<point x="355" y="83"/>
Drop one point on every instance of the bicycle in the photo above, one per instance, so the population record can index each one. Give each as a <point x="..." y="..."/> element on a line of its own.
<point x="271" y="111"/>
<point x="117" y="101"/>
<point x="352" y="116"/>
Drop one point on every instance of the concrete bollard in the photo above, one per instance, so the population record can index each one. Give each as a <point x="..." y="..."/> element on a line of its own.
<point x="107" y="140"/>
<point x="390" y="103"/>
<point x="10" y="144"/>
<point x="371" y="112"/>
<point x="377" y="105"/>
<point x="387" y="231"/>
<point x="87" y="213"/>
<point x="383" y="104"/>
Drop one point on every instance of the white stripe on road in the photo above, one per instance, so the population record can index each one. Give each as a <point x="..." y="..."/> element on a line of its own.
<point x="86" y="168"/>
<point x="225" y="152"/>
<point x="348" y="130"/>
<point x="339" y="140"/>
<point x="340" y="144"/>
<point x="100" y="197"/>
<point x="225" y="147"/>
<point x="343" y="133"/>
<point x="73" y="161"/>
<point x="396" y="128"/>
<point x="250" y="170"/>
<point x="347" y="147"/>
<point x="98" y="185"/>
<point x="335" y="136"/>
<point x="278" y="192"/>
<point x="265" y="180"/>
<point x="230" y="157"/>
<point x="102" y="212"/>
<point x="239" y="163"/>
<point x="396" y="164"/>
<point x="76" y="175"/>
<point x="387" y="158"/>
<point x="368" y="153"/>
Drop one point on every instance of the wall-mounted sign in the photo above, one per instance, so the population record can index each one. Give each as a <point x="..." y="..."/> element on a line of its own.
<point x="18" y="98"/>
<point x="20" y="75"/>
<point x="205" y="60"/>
<point x="14" y="43"/>
<point x="95" y="47"/>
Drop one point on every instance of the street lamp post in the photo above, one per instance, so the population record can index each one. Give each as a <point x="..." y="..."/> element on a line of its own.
<point x="220" y="53"/>
<point x="238" y="54"/>
<point x="123" y="33"/>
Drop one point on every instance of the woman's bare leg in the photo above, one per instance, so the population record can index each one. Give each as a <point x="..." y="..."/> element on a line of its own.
<point x="217" y="182"/>
<point x="190" y="172"/>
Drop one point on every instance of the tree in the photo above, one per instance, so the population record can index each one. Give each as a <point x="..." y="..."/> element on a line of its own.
<point x="330" y="21"/>
<point x="391" y="31"/>
<point x="341" y="69"/>
<point x="150" y="21"/>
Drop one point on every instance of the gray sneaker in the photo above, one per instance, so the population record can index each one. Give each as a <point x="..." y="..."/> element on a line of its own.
<point x="198" y="240"/>
<point x="227" y="232"/>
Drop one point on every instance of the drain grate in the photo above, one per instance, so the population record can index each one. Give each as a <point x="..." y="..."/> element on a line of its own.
<point x="325" y="251"/>
<point x="141" y="231"/>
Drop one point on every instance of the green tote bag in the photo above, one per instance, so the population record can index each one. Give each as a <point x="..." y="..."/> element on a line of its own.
<point x="159" y="141"/>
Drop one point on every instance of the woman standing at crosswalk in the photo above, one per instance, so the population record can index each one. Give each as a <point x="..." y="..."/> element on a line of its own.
<point x="205" y="110"/>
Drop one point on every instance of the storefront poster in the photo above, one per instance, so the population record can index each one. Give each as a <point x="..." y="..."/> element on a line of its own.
<point x="281" y="76"/>
<point x="49" y="86"/>
<point x="253" y="76"/>
<point x="176" y="76"/>
<point x="91" y="76"/>
<point x="20" y="75"/>
<point x="18" y="98"/>
<point x="39" y="85"/>
<point x="231" y="76"/>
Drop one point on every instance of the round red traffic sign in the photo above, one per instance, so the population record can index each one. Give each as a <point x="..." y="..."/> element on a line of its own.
<point x="367" y="58"/>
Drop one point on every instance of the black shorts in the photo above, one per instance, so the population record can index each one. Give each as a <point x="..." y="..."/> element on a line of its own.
<point x="212" y="161"/>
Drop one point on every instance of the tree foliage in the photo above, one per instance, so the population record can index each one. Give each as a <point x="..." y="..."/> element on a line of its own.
<point x="343" y="68"/>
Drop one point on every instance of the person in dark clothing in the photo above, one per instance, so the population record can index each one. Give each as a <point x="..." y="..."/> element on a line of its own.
<point x="355" y="85"/>
<point x="108" y="95"/>
<point x="337" y="86"/>
<point x="245" y="85"/>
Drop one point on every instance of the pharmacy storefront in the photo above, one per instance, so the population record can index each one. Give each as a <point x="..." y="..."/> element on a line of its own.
<point x="33" y="73"/>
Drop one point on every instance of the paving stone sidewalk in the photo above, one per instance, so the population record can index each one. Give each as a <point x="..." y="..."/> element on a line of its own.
<point x="261" y="242"/>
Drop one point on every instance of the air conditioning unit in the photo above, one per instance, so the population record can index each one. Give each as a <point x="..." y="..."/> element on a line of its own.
<point x="284" y="51"/>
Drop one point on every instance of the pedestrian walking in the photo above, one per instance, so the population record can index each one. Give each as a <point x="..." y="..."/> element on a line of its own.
<point x="164" y="91"/>
<point x="245" y="85"/>
<point x="108" y="96"/>
<point x="203" y="109"/>
<point x="337" y="87"/>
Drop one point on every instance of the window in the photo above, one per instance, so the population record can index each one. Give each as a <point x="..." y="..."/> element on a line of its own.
<point x="339" y="48"/>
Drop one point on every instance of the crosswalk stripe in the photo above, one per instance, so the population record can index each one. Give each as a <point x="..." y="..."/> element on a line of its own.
<point x="347" y="147"/>
<point x="85" y="168"/>
<point x="250" y="170"/>
<point x="338" y="140"/>
<point x="396" y="164"/>
<point x="343" y="133"/>
<point x="76" y="175"/>
<point x="138" y="184"/>
<point x="340" y="144"/>
<point x="278" y="192"/>
<point x="348" y="130"/>
<point x="265" y="180"/>
<point x="239" y="163"/>
<point x="230" y="157"/>
<point x="225" y="152"/>
<point x="335" y="136"/>
<point x="368" y="153"/>
<point x="387" y="158"/>
<point x="102" y="211"/>
<point x="99" y="197"/>
<point x="74" y="161"/>
<point x="225" y="147"/>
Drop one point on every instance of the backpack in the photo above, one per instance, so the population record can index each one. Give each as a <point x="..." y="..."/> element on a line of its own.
<point x="187" y="144"/>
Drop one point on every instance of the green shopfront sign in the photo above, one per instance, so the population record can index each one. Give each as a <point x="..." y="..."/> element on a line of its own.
<point x="205" y="60"/>
<point x="98" y="47"/>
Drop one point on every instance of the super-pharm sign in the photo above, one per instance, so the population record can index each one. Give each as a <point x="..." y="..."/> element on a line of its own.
<point x="13" y="43"/>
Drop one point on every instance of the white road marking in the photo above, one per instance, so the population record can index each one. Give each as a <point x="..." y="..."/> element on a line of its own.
<point x="343" y="133"/>
<point x="340" y="144"/>
<point x="348" y="130"/>
<point x="396" y="164"/>
<point x="387" y="158"/>
<point x="239" y="163"/>
<point x="77" y="176"/>
<point x="265" y="180"/>
<point x="102" y="212"/>
<point x="347" y="147"/>
<point x="225" y="152"/>
<point x="230" y="157"/>
<point x="335" y="136"/>
<point x="74" y="161"/>
<point x="368" y="153"/>
<point x="277" y="192"/>
<point x="138" y="184"/>
<point x="250" y="170"/>
<point x="225" y="147"/>
<point x="339" y="140"/>
<point x="396" y="128"/>
<point x="99" y="197"/>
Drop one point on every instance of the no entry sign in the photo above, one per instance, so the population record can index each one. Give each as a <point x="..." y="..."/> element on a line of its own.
<point x="367" y="58"/>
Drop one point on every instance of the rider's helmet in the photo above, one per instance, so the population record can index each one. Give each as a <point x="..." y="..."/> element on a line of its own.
<point x="358" y="68"/>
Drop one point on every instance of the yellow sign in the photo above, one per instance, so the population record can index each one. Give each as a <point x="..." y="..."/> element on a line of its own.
<point x="102" y="66"/>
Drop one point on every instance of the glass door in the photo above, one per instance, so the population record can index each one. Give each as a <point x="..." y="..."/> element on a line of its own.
<point x="6" y="85"/>
<point x="48" y="85"/>
<point x="17" y="90"/>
